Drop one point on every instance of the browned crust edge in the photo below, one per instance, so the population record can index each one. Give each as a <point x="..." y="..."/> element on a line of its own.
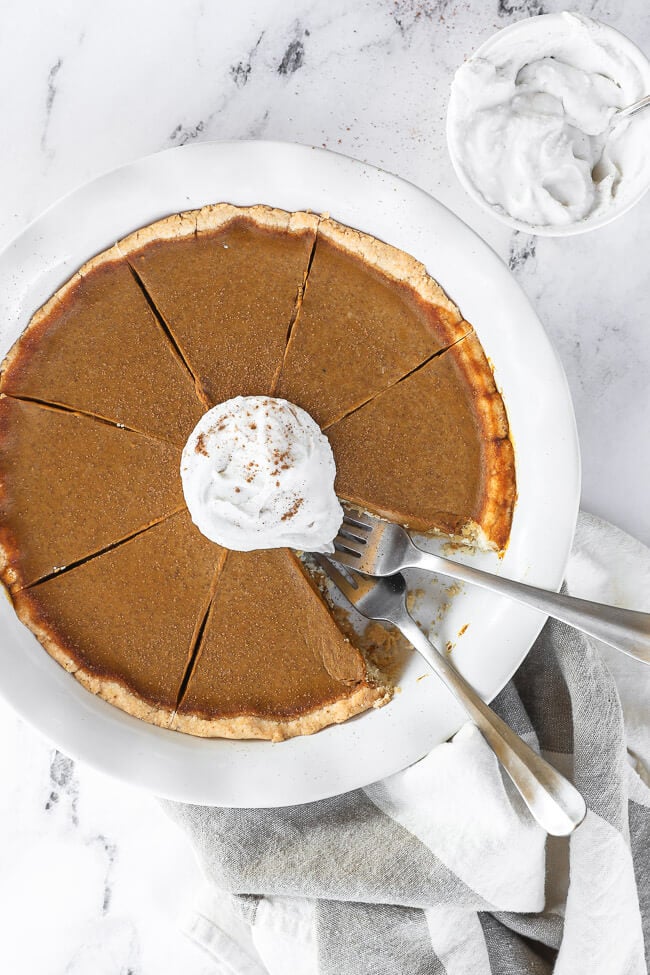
<point x="492" y="527"/>
<point x="400" y="267"/>
<point x="277" y="729"/>
<point x="113" y="691"/>
<point x="213" y="217"/>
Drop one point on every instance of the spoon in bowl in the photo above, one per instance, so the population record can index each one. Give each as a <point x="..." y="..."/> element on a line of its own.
<point x="625" y="113"/>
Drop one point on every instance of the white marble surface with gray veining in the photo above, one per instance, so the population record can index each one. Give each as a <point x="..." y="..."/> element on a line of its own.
<point x="93" y="876"/>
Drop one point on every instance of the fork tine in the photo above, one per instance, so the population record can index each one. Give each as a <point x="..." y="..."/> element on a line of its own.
<point x="353" y="536"/>
<point x="347" y="587"/>
<point x="357" y="518"/>
<point x="345" y="545"/>
<point x="345" y="556"/>
<point x="356" y="524"/>
<point x="355" y="530"/>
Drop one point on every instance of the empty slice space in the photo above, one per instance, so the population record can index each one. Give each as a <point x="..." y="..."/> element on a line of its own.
<point x="272" y="663"/>
<point x="226" y="282"/>
<point x="97" y="347"/>
<point x="71" y="485"/>
<point x="370" y="314"/>
<point x="450" y="467"/>
<point x="126" y="621"/>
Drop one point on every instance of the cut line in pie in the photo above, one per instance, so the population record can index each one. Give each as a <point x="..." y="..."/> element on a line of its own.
<point x="94" y="348"/>
<point x="126" y="622"/>
<point x="233" y="331"/>
<point x="369" y="315"/>
<point x="455" y="472"/>
<point x="271" y="641"/>
<point x="236" y="301"/>
<point x="70" y="486"/>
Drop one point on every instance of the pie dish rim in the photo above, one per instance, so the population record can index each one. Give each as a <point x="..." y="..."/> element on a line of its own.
<point x="347" y="169"/>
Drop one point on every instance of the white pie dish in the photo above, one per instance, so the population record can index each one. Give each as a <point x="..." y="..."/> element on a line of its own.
<point x="537" y="399"/>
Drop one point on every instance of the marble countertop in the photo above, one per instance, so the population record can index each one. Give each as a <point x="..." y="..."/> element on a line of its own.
<point x="93" y="876"/>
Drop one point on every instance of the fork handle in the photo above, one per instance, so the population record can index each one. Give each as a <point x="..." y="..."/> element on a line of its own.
<point x="623" y="629"/>
<point x="553" y="801"/>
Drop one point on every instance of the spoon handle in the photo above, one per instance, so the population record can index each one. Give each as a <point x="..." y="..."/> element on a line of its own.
<point x="631" y="110"/>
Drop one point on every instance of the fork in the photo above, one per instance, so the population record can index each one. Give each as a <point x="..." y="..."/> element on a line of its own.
<point x="554" y="802"/>
<point x="380" y="548"/>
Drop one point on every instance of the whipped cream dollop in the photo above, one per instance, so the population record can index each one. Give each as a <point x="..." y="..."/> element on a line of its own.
<point x="258" y="472"/>
<point x="528" y="122"/>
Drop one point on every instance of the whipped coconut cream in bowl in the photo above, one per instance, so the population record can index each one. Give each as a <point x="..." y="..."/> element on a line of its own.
<point x="528" y="125"/>
<point x="258" y="472"/>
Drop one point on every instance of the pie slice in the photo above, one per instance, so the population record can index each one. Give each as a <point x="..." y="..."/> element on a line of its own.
<point x="272" y="663"/>
<point x="125" y="623"/>
<point x="226" y="281"/>
<point x="450" y="468"/>
<point x="97" y="347"/>
<point x="71" y="485"/>
<point x="370" y="314"/>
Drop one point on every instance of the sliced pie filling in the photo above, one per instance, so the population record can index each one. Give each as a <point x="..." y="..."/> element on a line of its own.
<point x="73" y="486"/>
<point x="96" y="546"/>
<point x="271" y="642"/>
<point x="452" y="471"/>
<point x="125" y="623"/>
<point x="242" y="270"/>
<point x="369" y="315"/>
<point x="95" y="348"/>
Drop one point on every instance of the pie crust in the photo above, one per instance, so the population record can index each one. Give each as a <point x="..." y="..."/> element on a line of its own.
<point x="300" y="677"/>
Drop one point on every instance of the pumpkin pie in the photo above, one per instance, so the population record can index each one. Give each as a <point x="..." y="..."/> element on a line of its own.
<point x="96" y="547"/>
<point x="126" y="622"/>
<point x="95" y="347"/>
<point x="226" y="282"/>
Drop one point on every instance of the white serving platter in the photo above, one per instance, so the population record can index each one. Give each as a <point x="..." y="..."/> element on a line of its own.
<point x="499" y="633"/>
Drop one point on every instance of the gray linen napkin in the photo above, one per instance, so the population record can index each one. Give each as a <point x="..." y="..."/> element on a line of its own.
<point x="440" y="869"/>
